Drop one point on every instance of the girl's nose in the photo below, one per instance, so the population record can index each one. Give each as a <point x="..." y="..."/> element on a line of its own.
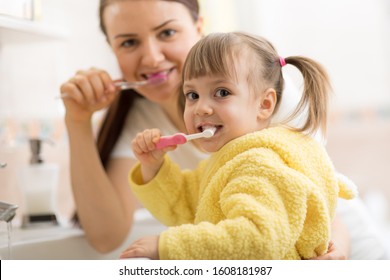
<point x="152" y="54"/>
<point x="203" y="108"/>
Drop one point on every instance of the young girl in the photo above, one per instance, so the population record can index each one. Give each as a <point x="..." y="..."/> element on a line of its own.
<point x="266" y="192"/>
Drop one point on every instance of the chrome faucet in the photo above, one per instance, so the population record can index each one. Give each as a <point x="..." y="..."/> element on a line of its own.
<point x="7" y="211"/>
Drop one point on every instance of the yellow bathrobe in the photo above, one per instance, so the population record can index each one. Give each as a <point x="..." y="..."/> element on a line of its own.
<point x="270" y="194"/>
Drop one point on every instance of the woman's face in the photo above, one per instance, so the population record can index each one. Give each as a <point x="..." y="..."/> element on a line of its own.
<point x="149" y="38"/>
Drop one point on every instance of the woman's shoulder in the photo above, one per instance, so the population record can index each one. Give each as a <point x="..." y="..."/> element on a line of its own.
<point x="143" y="105"/>
<point x="145" y="115"/>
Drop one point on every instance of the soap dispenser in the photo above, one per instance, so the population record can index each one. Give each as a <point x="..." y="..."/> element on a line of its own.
<point x="39" y="183"/>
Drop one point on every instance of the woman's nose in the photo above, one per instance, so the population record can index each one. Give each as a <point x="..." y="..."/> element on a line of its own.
<point x="152" y="54"/>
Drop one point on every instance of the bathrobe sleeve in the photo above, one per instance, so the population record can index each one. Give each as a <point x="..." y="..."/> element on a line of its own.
<point x="172" y="195"/>
<point x="260" y="212"/>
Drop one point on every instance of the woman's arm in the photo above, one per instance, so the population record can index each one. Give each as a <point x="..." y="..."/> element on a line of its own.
<point x="104" y="201"/>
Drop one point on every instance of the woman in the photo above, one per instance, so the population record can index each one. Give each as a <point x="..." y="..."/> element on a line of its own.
<point x="148" y="38"/>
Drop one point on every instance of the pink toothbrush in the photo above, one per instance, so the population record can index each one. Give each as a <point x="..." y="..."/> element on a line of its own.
<point x="181" y="138"/>
<point x="153" y="80"/>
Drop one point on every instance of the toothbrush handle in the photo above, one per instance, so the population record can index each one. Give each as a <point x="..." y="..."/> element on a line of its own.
<point x="130" y="85"/>
<point x="176" y="139"/>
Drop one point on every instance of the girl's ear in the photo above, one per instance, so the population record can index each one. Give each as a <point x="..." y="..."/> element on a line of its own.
<point x="267" y="104"/>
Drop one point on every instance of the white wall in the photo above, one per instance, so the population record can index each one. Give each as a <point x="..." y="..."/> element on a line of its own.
<point x="33" y="68"/>
<point x="351" y="38"/>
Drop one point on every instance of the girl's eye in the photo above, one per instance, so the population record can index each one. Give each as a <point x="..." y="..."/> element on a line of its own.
<point x="222" y="93"/>
<point x="167" y="33"/>
<point x="192" y="96"/>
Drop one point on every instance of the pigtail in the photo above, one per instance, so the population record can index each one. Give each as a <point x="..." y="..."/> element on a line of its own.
<point x="315" y="94"/>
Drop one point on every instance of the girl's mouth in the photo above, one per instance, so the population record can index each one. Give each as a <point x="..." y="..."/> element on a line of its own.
<point x="201" y="128"/>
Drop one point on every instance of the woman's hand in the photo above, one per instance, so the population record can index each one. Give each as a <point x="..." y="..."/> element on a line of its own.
<point x="339" y="246"/>
<point x="144" y="148"/>
<point x="146" y="247"/>
<point x="333" y="253"/>
<point x="87" y="92"/>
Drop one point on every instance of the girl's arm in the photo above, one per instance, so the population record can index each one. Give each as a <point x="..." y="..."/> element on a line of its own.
<point x="172" y="196"/>
<point x="340" y="234"/>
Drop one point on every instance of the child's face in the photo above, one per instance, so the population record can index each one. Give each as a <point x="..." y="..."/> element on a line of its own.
<point x="228" y="105"/>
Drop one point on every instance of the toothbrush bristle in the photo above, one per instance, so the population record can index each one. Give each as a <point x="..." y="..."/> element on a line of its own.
<point x="157" y="79"/>
<point x="209" y="132"/>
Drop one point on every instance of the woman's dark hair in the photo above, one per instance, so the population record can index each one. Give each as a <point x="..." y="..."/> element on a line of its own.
<point x="116" y="115"/>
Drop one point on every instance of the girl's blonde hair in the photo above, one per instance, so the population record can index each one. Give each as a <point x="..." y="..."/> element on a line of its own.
<point x="216" y="54"/>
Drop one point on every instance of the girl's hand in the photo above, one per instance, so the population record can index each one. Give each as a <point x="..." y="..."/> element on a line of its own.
<point x="146" y="247"/>
<point x="87" y="92"/>
<point x="144" y="148"/>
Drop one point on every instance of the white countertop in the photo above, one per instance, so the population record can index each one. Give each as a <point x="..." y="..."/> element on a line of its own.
<point x="67" y="242"/>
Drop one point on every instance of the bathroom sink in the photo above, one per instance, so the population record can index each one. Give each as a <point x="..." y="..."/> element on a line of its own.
<point x="68" y="243"/>
<point x="49" y="243"/>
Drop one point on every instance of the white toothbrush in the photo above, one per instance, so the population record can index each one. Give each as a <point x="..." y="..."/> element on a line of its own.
<point x="157" y="79"/>
<point x="154" y="80"/>
<point x="181" y="138"/>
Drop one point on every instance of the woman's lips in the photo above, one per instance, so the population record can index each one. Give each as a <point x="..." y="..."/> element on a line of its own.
<point x="158" y="74"/>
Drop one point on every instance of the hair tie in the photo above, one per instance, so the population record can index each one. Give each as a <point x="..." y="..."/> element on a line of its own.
<point x="282" y="61"/>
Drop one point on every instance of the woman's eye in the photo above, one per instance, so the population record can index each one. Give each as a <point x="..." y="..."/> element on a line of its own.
<point x="192" y="96"/>
<point x="167" y="33"/>
<point x="222" y="93"/>
<point x="128" y="43"/>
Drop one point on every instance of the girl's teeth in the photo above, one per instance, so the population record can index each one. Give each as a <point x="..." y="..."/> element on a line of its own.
<point x="208" y="127"/>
